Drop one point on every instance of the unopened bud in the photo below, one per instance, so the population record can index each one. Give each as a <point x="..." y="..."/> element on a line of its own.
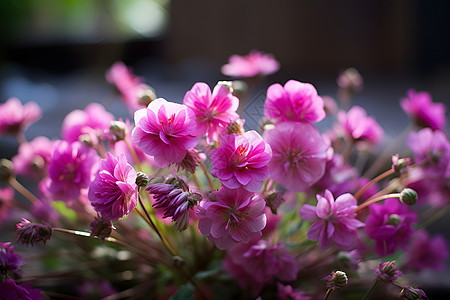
<point x="6" y="169"/>
<point x="394" y="219"/>
<point x="336" y="280"/>
<point x="274" y="200"/>
<point x="29" y="233"/>
<point x="86" y="139"/>
<point x="400" y="165"/>
<point x="101" y="228"/>
<point x="388" y="271"/>
<point x="146" y="96"/>
<point x="142" y="179"/>
<point x="411" y="293"/>
<point x="408" y="196"/>
<point x="118" y="129"/>
<point x="227" y="84"/>
<point x="194" y="198"/>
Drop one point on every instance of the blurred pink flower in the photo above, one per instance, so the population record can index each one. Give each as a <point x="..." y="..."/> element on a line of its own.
<point x="287" y="292"/>
<point x="253" y="64"/>
<point x="427" y="252"/>
<point x="10" y="290"/>
<point x="213" y="111"/>
<point x="334" y="221"/>
<point x="241" y="161"/>
<point x="299" y="155"/>
<point x="424" y="112"/>
<point x="94" y="118"/>
<point x="32" y="158"/>
<point x="165" y="130"/>
<point x="6" y="198"/>
<point x="358" y="127"/>
<point x="15" y="117"/>
<point x="70" y="170"/>
<point x="296" y="101"/>
<point x="113" y="192"/>
<point x="236" y="217"/>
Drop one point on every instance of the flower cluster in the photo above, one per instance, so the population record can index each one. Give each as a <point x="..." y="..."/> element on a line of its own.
<point x="187" y="201"/>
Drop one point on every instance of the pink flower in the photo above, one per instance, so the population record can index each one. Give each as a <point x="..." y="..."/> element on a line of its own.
<point x="334" y="221"/>
<point x="113" y="192"/>
<point x="213" y="111"/>
<point x="299" y="155"/>
<point x="130" y="86"/>
<point x="358" y="127"/>
<point x="241" y="160"/>
<point x="165" y="130"/>
<point x="10" y="290"/>
<point x="390" y="225"/>
<point x="257" y="264"/>
<point x="32" y="157"/>
<point x="236" y="217"/>
<point x="427" y="252"/>
<point x="69" y="169"/>
<point x="287" y="292"/>
<point x="425" y="113"/>
<point x="15" y="117"/>
<point x="296" y="101"/>
<point x="254" y="64"/>
<point x="94" y="118"/>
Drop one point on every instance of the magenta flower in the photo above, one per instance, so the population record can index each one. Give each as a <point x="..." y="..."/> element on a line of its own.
<point x="69" y="170"/>
<point x="129" y="85"/>
<point x="241" y="161"/>
<point x="94" y="118"/>
<point x="10" y="261"/>
<point x="255" y="265"/>
<point x="15" y="117"/>
<point x="358" y="127"/>
<point x="253" y="64"/>
<point x="390" y="225"/>
<point x="113" y="193"/>
<point x="213" y="111"/>
<point x="334" y="221"/>
<point x="33" y="157"/>
<point x="165" y="130"/>
<point x="12" y="291"/>
<point x="424" y="112"/>
<point x="299" y="155"/>
<point x="236" y="217"/>
<point x="296" y="101"/>
<point x="427" y="252"/>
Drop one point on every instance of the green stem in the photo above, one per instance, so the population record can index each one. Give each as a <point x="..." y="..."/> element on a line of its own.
<point x="211" y="185"/>
<point x="133" y="153"/>
<point x="434" y="217"/>
<point x="370" y="291"/>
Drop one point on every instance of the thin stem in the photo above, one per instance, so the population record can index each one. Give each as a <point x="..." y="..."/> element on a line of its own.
<point x="373" y="181"/>
<point x="211" y="185"/>
<point x="329" y="291"/>
<point x="433" y="218"/>
<point x="374" y="200"/>
<point x="264" y="188"/>
<point x="133" y="153"/>
<point x="22" y="190"/>
<point x="372" y="288"/>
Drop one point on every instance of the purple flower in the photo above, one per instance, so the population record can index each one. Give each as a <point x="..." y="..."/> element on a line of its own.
<point x="10" y="261"/>
<point x="69" y="170"/>
<point x="254" y="64"/>
<point x="427" y="252"/>
<point x="236" y="217"/>
<point x="334" y="221"/>
<point x="241" y="161"/>
<point x="130" y="86"/>
<point x="213" y="111"/>
<point x="165" y="130"/>
<point x="299" y="155"/>
<point x="33" y="157"/>
<point x="358" y="127"/>
<point x="388" y="272"/>
<point x="12" y="291"/>
<point x="296" y="101"/>
<point x="15" y="117"/>
<point x="390" y="225"/>
<point x="113" y="192"/>
<point x="29" y="233"/>
<point x="286" y="292"/>
<point x="423" y="111"/>
<point x="94" y="118"/>
<point x="257" y="264"/>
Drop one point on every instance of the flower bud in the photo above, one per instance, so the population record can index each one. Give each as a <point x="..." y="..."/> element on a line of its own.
<point x="227" y="84"/>
<point x="118" y="129"/>
<point x="336" y="280"/>
<point x="29" y="233"/>
<point x="411" y="293"/>
<point x="146" y="96"/>
<point x="142" y="179"/>
<point x="194" y="198"/>
<point x="274" y="200"/>
<point x="408" y="196"/>
<point x="101" y="228"/>
<point x="394" y="219"/>
<point x="400" y="165"/>
<point x="6" y="169"/>
<point x="388" y="271"/>
<point x="86" y="139"/>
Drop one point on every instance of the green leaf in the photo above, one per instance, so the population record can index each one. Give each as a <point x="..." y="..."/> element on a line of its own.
<point x="185" y="292"/>
<point x="63" y="210"/>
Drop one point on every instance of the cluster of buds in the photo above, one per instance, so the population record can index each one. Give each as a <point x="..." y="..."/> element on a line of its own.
<point x="174" y="198"/>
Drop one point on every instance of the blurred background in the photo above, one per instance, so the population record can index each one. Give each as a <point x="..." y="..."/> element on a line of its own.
<point x="56" y="52"/>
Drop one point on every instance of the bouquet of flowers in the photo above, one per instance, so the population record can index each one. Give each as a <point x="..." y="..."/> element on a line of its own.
<point x="183" y="202"/>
